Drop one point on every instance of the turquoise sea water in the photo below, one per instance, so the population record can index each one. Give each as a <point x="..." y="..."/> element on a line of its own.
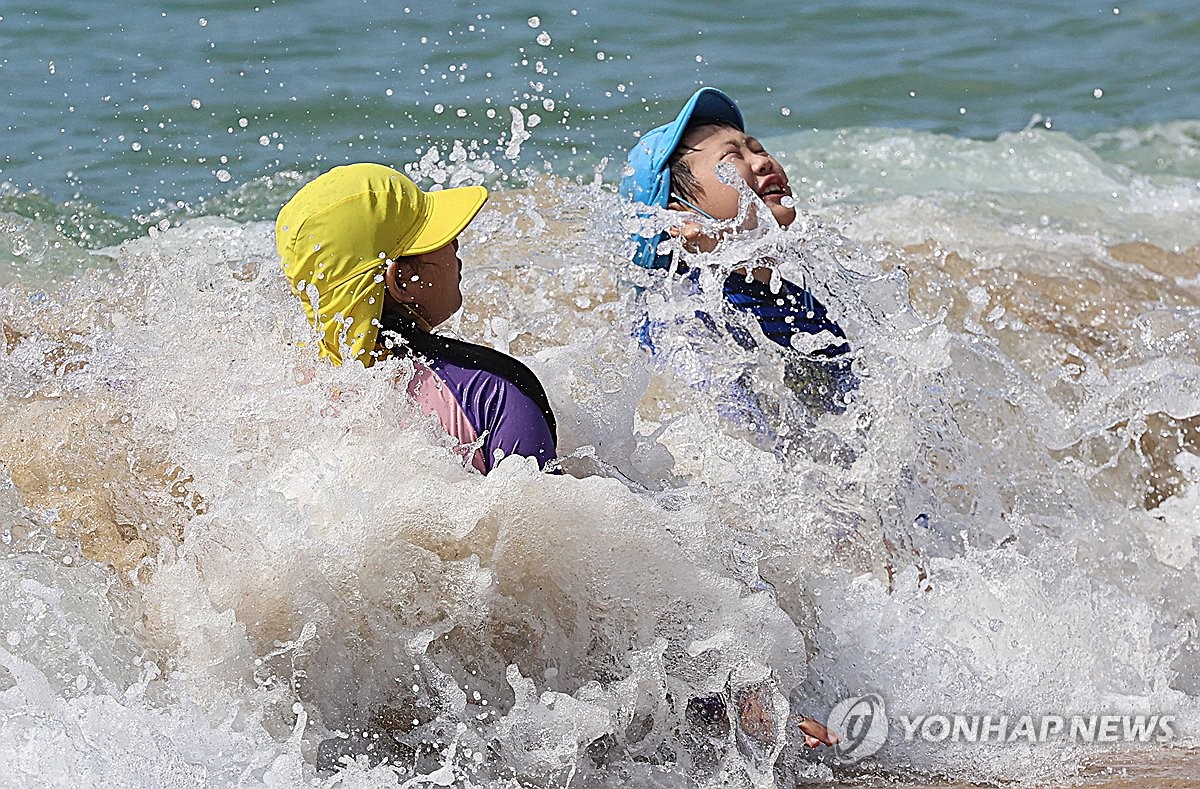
<point x="128" y="105"/>
<point x="219" y="555"/>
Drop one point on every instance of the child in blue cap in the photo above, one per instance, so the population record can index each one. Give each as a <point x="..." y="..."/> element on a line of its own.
<point x="676" y="166"/>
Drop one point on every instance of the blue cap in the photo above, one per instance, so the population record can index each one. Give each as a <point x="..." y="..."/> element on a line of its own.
<point x="647" y="177"/>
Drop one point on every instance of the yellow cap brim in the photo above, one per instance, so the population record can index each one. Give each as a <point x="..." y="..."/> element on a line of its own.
<point x="447" y="213"/>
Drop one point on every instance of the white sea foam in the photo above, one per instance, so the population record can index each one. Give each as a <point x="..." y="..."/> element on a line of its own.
<point x="298" y="554"/>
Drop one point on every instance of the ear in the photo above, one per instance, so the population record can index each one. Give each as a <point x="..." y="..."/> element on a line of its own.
<point x="395" y="281"/>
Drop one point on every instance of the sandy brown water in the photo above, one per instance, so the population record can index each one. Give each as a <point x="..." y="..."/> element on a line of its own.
<point x="1171" y="768"/>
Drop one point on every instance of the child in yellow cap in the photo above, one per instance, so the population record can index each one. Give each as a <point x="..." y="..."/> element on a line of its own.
<point x="365" y="250"/>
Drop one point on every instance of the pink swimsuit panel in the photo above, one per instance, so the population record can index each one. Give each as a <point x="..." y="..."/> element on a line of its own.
<point x="435" y="398"/>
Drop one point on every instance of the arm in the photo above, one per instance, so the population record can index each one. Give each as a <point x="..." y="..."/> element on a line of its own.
<point x="515" y="426"/>
<point x="816" y="734"/>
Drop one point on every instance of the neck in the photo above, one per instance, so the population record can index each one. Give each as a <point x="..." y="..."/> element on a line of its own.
<point x="410" y="312"/>
<point x="407" y="323"/>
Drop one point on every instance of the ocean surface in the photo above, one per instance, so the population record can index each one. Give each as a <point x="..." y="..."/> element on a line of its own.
<point x="223" y="563"/>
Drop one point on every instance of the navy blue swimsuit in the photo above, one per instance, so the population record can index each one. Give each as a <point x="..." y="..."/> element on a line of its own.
<point x="783" y="315"/>
<point x="820" y="378"/>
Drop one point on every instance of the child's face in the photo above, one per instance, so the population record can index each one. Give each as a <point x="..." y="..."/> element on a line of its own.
<point x="430" y="283"/>
<point x="765" y="176"/>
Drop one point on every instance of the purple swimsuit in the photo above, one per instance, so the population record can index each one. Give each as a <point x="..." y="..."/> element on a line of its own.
<point x="476" y="392"/>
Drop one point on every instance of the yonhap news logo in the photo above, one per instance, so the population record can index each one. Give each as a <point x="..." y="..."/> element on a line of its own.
<point x="1039" y="728"/>
<point x="863" y="726"/>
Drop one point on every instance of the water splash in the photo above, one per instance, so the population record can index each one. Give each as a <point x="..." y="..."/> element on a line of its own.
<point x="999" y="517"/>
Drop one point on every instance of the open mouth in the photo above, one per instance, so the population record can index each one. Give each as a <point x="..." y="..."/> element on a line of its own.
<point x="776" y="191"/>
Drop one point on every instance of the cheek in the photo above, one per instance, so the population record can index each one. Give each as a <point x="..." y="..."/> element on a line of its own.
<point x="723" y="201"/>
<point x="454" y="294"/>
<point x="744" y="170"/>
<point x="722" y="198"/>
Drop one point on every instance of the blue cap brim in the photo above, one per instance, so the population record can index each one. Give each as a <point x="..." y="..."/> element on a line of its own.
<point x="647" y="178"/>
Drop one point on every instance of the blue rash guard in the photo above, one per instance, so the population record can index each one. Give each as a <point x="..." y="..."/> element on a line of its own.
<point x="783" y="315"/>
<point x="820" y="377"/>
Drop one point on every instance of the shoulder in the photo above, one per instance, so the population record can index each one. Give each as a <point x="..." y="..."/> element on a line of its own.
<point x="488" y="381"/>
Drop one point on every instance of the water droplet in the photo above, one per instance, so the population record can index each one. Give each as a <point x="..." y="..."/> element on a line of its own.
<point x="785" y="111"/>
<point x="223" y="175"/>
<point x="1097" y="93"/>
<point x="534" y="22"/>
<point x="243" y="122"/>
<point x="548" y="104"/>
<point x="544" y="38"/>
<point x="203" y="22"/>
<point x="195" y="104"/>
<point x="438" y="109"/>
<point x="137" y="146"/>
<point x="264" y="140"/>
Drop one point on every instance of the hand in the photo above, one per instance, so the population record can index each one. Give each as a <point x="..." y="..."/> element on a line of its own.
<point x="815" y="733"/>
<point x="693" y="237"/>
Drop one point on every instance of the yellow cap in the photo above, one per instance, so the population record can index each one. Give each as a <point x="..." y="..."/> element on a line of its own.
<point x="337" y="234"/>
